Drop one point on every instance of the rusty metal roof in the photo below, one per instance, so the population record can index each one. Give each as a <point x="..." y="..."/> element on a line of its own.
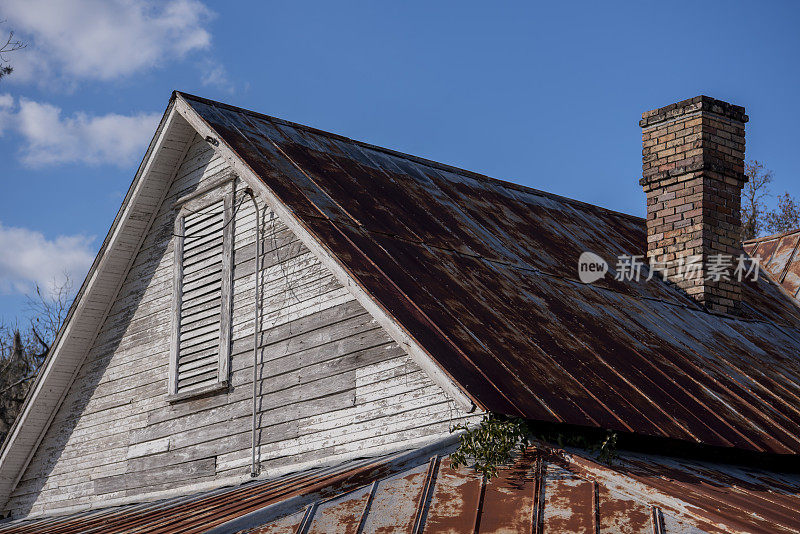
<point x="203" y="511"/>
<point x="780" y="257"/>
<point x="552" y="492"/>
<point x="482" y="273"/>
<point x="544" y="490"/>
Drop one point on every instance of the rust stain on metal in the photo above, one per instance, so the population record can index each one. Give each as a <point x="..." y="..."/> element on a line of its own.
<point x="713" y="497"/>
<point x="508" y="499"/>
<point x="340" y="515"/>
<point x="569" y="502"/>
<point x="454" y="506"/>
<point x="622" y="514"/>
<point x="395" y="502"/>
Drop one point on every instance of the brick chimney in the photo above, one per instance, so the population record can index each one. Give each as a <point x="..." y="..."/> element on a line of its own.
<point x="693" y="174"/>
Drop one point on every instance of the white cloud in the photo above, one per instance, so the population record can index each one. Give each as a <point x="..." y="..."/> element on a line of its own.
<point x="215" y="74"/>
<point x="27" y="258"/>
<point x="103" y="39"/>
<point x="48" y="138"/>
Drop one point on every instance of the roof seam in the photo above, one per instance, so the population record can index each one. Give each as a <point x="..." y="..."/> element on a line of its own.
<point x="771" y="236"/>
<point x="789" y="262"/>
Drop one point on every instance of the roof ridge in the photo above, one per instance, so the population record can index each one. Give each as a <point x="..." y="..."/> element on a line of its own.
<point x="411" y="157"/>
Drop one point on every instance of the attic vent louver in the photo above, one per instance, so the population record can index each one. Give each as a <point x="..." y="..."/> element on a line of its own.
<point x="201" y="298"/>
<point x="201" y="320"/>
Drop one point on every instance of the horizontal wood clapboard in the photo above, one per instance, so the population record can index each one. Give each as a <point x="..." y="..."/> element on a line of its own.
<point x="332" y="383"/>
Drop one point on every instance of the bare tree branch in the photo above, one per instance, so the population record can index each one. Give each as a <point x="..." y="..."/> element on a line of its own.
<point x="21" y="354"/>
<point x="785" y="217"/>
<point x="755" y="191"/>
<point x="17" y="383"/>
<point x="11" y="45"/>
<point x="49" y="309"/>
<point x="39" y="339"/>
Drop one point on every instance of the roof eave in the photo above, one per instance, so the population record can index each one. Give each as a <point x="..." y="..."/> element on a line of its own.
<point x="14" y="455"/>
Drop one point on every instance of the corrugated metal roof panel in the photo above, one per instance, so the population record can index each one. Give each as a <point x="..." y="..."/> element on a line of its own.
<point x="549" y="491"/>
<point x="544" y="490"/>
<point x="201" y="512"/>
<point x="483" y="274"/>
<point x="780" y="255"/>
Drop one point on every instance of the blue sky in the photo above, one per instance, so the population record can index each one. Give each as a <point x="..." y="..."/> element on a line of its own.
<point x="544" y="94"/>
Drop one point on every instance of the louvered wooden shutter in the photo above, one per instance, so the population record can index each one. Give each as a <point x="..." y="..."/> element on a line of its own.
<point x="202" y="314"/>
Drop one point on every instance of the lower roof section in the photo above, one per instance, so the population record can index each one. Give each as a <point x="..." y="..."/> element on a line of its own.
<point x="780" y="257"/>
<point x="545" y="490"/>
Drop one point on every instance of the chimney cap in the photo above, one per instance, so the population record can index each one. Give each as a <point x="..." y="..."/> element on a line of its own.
<point x="692" y="105"/>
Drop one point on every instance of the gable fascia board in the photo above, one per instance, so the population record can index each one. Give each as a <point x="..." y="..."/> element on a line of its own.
<point x="395" y="330"/>
<point x="82" y="323"/>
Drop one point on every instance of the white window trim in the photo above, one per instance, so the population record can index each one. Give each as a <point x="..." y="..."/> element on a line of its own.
<point x="221" y="190"/>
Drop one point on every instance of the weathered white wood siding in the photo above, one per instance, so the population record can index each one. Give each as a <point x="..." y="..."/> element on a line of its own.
<point x="332" y="383"/>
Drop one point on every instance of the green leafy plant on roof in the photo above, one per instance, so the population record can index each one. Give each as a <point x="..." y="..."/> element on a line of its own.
<point x="490" y="444"/>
